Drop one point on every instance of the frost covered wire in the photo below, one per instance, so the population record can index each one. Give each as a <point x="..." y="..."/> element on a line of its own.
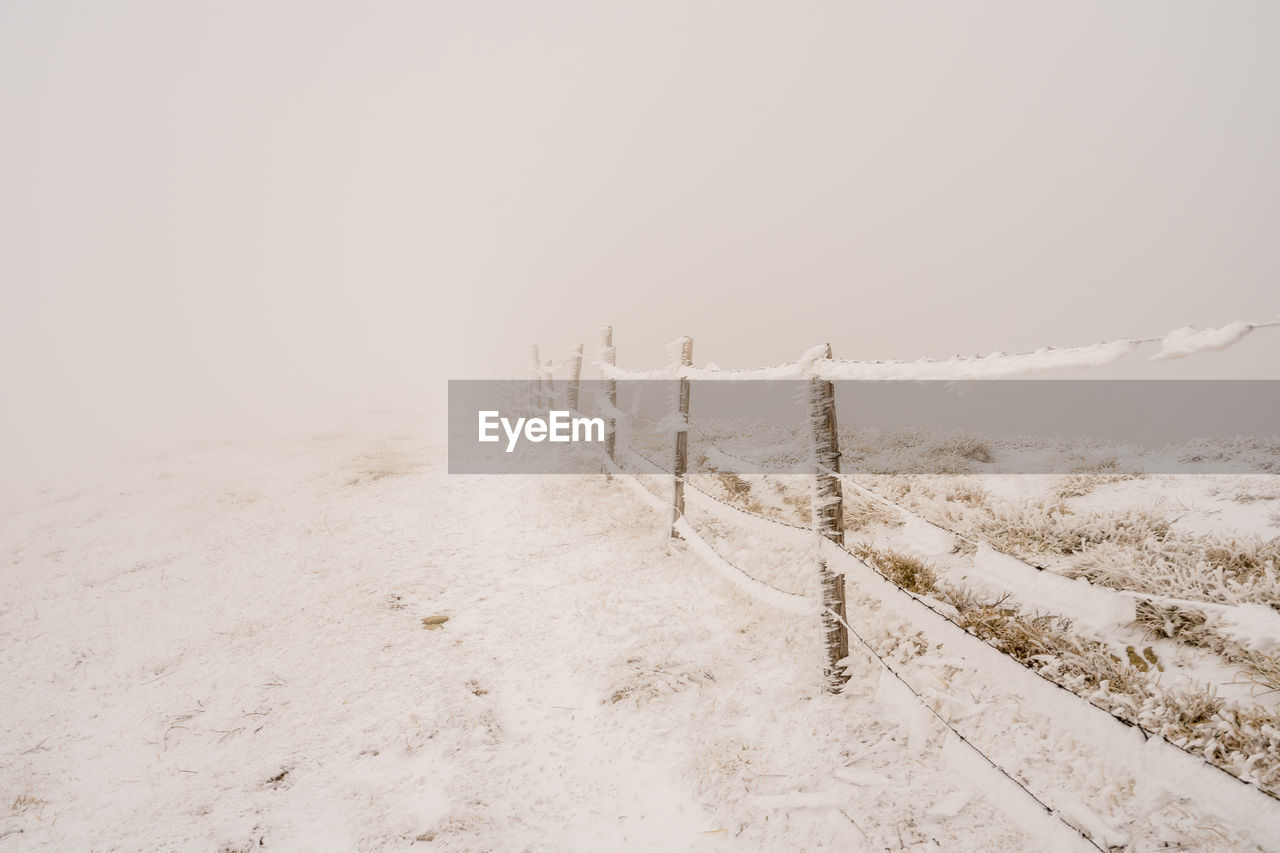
<point x="979" y="541"/>
<point x="793" y="600"/>
<point x="718" y="448"/>
<point x="876" y="657"/>
<point x="722" y="501"/>
<point x="1146" y="733"/>
<point x="1178" y="343"/>
<point x="753" y="586"/>
<point x="790" y="601"/>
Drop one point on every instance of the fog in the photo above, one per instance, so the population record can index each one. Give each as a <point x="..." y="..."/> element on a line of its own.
<point x="237" y="218"/>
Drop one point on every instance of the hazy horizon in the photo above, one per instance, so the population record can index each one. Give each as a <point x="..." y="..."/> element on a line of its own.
<point x="223" y="218"/>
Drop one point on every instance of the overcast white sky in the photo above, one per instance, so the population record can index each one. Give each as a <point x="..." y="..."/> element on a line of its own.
<point x="226" y="216"/>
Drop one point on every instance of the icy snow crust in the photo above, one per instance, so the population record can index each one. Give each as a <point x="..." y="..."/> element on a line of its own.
<point x="225" y="650"/>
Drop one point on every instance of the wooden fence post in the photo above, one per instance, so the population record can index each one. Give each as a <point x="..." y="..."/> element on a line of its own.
<point x="575" y="376"/>
<point x="828" y="515"/>
<point x="538" y="384"/>
<point x="682" y="438"/>
<point x="609" y="355"/>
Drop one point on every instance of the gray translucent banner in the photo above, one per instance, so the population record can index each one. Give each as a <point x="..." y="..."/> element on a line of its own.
<point x="885" y="427"/>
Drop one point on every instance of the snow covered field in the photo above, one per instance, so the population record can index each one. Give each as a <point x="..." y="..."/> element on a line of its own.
<point x="810" y="577"/>
<point x="225" y="650"/>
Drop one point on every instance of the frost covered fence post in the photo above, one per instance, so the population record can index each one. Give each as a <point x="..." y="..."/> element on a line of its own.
<point x="828" y="521"/>
<point x="539" y="387"/>
<point x="682" y="438"/>
<point x="609" y="355"/>
<point x="575" y="377"/>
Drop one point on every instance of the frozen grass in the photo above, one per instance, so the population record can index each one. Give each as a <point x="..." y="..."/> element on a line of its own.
<point x="862" y="511"/>
<point x="964" y="447"/>
<point x="1261" y="454"/>
<point x="1242" y="739"/>
<point x="908" y="572"/>
<point x="737" y="491"/>
<point x="1125" y="547"/>
<point x="1051" y="527"/>
<point x="1224" y="569"/>
<point x="1087" y="478"/>
<point x="1134" y="549"/>
<point x="967" y="491"/>
<point x="1247" y="490"/>
<point x="1129" y="548"/>
<point x="1190" y="627"/>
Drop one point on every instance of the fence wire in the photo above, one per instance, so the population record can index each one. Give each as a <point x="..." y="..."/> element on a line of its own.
<point x="977" y="541"/>
<point x="920" y="698"/>
<point x="1146" y="733"/>
<point x="874" y="656"/>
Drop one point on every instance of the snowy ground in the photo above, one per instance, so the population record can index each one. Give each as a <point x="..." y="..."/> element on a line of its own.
<point x="224" y="650"/>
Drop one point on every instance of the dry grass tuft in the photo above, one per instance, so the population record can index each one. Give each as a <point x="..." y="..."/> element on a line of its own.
<point x="372" y="467"/>
<point x="637" y="682"/>
<point x="861" y="511"/>
<point x="1086" y="478"/>
<point x="1222" y="568"/>
<point x="968" y="492"/>
<point x="964" y="447"/>
<point x="1242" y="739"/>
<point x="1020" y="637"/>
<point x="27" y="802"/>
<point x="1050" y="527"/>
<point x="904" y="570"/>
<point x="734" y="486"/>
<point x="1191" y="628"/>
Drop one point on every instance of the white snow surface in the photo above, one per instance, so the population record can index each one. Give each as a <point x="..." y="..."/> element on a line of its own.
<point x="224" y="650"/>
